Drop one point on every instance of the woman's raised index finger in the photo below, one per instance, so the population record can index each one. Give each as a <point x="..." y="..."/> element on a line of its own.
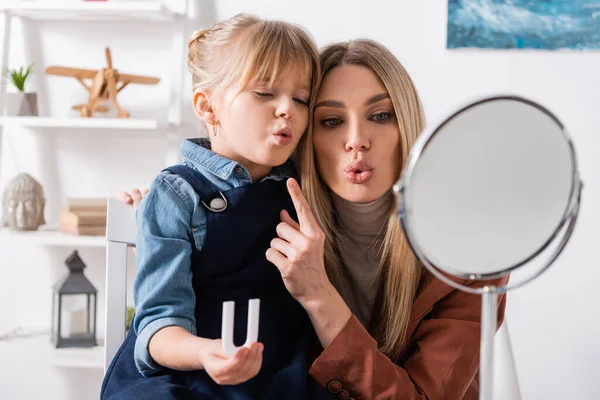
<point x="305" y="217"/>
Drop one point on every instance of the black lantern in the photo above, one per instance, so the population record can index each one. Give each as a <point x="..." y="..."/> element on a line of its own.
<point x="74" y="308"/>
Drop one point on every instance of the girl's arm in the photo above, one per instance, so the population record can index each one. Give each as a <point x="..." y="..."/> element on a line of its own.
<point x="176" y="348"/>
<point x="162" y="289"/>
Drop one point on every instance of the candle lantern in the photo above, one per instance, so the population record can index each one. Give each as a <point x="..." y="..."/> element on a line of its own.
<point x="74" y="307"/>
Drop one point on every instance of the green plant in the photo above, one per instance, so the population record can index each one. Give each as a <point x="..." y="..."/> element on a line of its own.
<point x="19" y="76"/>
<point x="130" y="312"/>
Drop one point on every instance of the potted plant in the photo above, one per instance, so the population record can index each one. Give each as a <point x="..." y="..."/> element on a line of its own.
<point x="129" y="318"/>
<point x="21" y="103"/>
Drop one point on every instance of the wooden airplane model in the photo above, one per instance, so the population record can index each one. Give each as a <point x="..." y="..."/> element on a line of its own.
<point x="103" y="85"/>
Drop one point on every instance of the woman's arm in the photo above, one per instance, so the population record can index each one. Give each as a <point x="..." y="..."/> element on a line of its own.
<point x="298" y="254"/>
<point x="446" y="357"/>
<point x="329" y="315"/>
<point x="442" y="365"/>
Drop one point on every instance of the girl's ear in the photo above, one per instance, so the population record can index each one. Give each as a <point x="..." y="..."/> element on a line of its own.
<point x="203" y="108"/>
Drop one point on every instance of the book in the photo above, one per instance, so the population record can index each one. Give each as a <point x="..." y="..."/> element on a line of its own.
<point x="76" y="204"/>
<point x="82" y="218"/>
<point x="83" y="230"/>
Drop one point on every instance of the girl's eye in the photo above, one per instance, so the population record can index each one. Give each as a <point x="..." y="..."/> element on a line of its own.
<point x="263" y="94"/>
<point x="300" y="101"/>
<point x="381" y="117"/>
<point x="331" y="122"/>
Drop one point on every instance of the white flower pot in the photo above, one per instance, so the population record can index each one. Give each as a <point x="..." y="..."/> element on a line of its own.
<point x="22" y="104"/>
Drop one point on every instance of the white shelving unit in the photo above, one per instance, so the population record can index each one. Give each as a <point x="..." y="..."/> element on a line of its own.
<point x="80" y="123"/>
<point x="51" y="237"/>
<point x="31" y="11"/>
<point x="37" y="349"/>
<point x="70" y="10"/>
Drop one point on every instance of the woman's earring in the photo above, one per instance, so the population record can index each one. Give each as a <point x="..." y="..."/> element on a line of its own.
<point x="214" y="129"/>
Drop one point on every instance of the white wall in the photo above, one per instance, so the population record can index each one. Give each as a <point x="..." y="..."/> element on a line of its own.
<point x="552" y="320"/>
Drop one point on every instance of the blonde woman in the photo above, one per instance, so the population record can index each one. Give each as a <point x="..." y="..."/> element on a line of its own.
<point x="387" y="329"/>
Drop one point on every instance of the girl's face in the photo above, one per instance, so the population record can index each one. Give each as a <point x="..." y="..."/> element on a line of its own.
<point x="261" y="124"/>
<point x="356" y="134"/>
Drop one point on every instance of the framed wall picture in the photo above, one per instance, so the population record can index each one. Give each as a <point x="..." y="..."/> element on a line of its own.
<point x="524" y="24"/>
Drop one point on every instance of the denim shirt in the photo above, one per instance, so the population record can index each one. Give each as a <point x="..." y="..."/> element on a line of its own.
<point x="171" y="220"/>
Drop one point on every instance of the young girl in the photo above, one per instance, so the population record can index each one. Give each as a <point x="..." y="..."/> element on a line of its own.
<point x="207" y="222"/>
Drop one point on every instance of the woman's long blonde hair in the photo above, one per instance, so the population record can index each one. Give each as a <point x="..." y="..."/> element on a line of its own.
<point x="399" y="271"/>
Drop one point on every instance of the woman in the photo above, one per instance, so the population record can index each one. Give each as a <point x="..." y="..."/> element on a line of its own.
<point x="387" y="328"/>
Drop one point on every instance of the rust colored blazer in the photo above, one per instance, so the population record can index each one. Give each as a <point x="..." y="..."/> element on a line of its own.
<point x="441" y="358"/>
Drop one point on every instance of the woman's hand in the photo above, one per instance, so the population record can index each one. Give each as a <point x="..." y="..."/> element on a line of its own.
<point x="298" y="251"/>
<point x="132" y="198"/>
<point x="226" y="370"/>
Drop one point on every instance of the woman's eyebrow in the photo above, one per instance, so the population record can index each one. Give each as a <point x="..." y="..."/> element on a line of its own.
<point x="330" y="103"/>
<point x="339" y="104"/>
<point x="376" y="98"/>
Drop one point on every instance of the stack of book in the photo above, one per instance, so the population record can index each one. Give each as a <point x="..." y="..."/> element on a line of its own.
<point x="83" y="216"/>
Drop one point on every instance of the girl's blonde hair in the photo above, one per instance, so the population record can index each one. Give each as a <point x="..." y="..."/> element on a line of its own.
<point x="245" y="49"/>
<point x="399" y="272"/>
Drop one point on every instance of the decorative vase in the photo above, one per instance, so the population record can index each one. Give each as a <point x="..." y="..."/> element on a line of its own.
<point x="22" y="104"/>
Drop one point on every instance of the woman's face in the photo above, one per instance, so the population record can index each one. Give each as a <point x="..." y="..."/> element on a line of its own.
<point x="356" y="134"/>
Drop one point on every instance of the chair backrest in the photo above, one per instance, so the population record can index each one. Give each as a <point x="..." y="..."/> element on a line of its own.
<point x="120" y="233"/>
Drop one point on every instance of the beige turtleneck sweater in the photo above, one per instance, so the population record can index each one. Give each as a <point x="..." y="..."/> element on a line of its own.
<point x="362" y="227"/>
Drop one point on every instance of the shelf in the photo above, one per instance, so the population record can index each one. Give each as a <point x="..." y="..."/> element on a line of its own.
<point x="37" y="349"/>
<point x="81" y="123"/>
<point x="89" y="10"/>
<point x="49" y="237"/>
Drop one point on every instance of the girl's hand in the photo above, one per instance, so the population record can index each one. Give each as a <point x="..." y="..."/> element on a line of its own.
<point x="298" y="252"/>
<point x="132" y="198"/>
<point x="226" y="370"/>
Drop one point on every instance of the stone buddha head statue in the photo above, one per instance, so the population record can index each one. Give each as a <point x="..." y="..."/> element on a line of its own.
<point x="23" y="204"/>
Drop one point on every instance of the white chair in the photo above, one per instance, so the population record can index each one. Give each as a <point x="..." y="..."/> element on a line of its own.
<point x="120" y="233"/>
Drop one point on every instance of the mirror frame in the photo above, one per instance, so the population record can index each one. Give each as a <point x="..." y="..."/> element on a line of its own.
<point x="568" y="218"/>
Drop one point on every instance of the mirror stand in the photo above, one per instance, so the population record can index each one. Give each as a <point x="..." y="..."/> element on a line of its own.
<point x="489" y="305"/>
<point x="489" y="316"/>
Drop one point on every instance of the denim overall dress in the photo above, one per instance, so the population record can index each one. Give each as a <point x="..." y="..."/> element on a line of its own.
<point x="231" y="266"/>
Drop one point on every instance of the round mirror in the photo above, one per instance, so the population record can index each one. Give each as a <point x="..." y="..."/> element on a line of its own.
<point x="488" y="188"/>
<point x="492" y="189"/>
